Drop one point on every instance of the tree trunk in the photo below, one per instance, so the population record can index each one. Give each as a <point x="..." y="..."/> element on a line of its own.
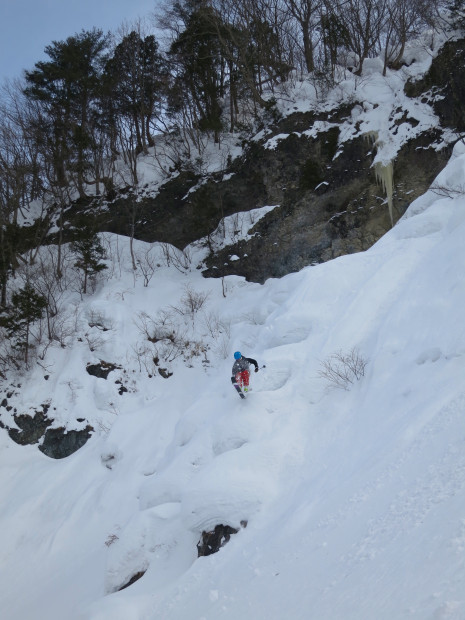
<point x="308" y="50"/>
<point x="3" y="291"/>
<point x="26" y="345"/>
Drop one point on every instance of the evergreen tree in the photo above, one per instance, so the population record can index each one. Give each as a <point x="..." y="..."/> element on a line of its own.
<point x="5" y="267"/>
<point x="264" y="56"/>
<point x="334" y="37"/>
<point x="90" y="252"/>
<point x="66" y="86"/>
<point x="27" y="306"/>
<point x="201" y="69"/>
<point x="136" y="76"/>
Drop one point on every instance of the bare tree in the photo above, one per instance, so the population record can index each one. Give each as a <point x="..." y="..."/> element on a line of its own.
<point x="180" y="259"/>
<point x="363" y="22"/>
<point x="251" y="33"/>
<point x="404" y="19"/>
<point x="21" y="181"/>
<point x="129" y="175"/>
<point x="306" y="13"/>
<point x="147" y="262"/>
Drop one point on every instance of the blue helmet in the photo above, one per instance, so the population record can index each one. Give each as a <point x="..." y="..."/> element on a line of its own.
<point x="237" y="355"/>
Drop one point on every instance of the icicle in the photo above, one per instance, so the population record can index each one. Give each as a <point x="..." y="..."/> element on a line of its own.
<point x="384" y="175"/>
<point x="371" y="136"/>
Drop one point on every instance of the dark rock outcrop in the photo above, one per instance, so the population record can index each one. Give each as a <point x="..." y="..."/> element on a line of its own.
<point x="32" y="428"/>
<point x="132" y="580"/>
<point x="444" y="85"/>
<point x="212" y="541"/>
<point x="57" y="443"/>
<point x="101" y="370"/>
<point x="345" y="215"/>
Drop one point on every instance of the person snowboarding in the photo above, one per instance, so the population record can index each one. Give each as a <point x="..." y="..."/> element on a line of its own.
<point x="241" y="373"/>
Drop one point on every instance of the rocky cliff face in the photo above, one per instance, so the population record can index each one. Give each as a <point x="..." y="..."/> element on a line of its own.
<point x="328" y="207"/>
<point x="330" y="202"/>
<point x="444" y="86"/>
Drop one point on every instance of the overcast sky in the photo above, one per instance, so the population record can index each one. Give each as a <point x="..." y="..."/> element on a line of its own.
<point x="27" y="26"/>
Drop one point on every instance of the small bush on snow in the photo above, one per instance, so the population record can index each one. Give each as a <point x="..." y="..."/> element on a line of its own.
<point x="342" y="370"/>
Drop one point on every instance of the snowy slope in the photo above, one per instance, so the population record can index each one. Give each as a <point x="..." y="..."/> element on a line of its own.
<point x="354" y="499"/>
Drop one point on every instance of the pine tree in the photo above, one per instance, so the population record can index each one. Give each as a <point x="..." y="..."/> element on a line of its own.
<point x="200" y="64"/>
<point x="27" y="306"/>
<point x="136" y="76"/>
<point x="66" y="87"/>
<point x="90" y="252"/>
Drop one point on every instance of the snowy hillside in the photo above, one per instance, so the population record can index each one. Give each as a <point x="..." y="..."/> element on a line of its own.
<point x="349" y="503"/>
<point x="355" y="500"/>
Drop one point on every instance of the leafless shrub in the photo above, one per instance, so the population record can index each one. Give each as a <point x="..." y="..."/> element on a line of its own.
<point x="191" y="302"/>
<point x="97" y="319"/>
<point x="43" y="350"/>
<point x="342" y="370"/>
<point x="112" y="538"/>
<point x="448" y="191"/>
<point x="103" y="427"/>
<point x="121" y="294"/>
<point x="94" y="341"/>
<point x="144" y="322"/>
<point x="222" y="347"/>
<point x="216" y="326"/>
<point x="253" y="318"/>
<point x="166" y="249"/>
<point x="63" y="328"/>
<point x="162" y="327"/>
<point x="180" y="259"/>
<point x="168" y="338"/>
<point x="169" y="334"/>
<point x="169" y="350"/>
<point x="147" y="263"/>
<point x="236" y="228"/>
<point x="195" y="348"/>
<point x="73" y="386"/>
<point x="115" y="253"/>
<point x="43" y="274"/>
<point x="8" y="356"/>
<point x="145" y="357"/>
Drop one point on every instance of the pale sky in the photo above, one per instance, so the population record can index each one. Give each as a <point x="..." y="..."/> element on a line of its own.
<point x="28" y="26"/>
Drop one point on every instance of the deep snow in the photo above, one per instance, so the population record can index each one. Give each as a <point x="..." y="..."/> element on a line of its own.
<point x="355" y="499"/>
